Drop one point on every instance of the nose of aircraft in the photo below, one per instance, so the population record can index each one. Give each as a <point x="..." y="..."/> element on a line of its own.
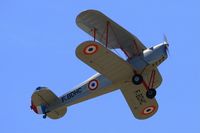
<point x="166" y="47"/>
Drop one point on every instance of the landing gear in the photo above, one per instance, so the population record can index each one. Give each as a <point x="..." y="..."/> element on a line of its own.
<point x="137" y="79"/>
<point x="151" y="93"/>
<point x="44" y="116"/>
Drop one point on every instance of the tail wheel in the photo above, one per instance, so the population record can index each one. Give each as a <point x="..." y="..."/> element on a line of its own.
<point x="44" y="116"/>
<point x="137" y="79"/>
<point x="151" y="93"/>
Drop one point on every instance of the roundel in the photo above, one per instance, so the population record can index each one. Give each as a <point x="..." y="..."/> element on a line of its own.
<point x="90" y="49"/>
<point x="148" y="110"/>
<point x="93" y="84"/>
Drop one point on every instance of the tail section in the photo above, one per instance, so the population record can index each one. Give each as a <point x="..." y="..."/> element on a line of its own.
<point x="41" y="109"/>
<point x="43" y="99"/>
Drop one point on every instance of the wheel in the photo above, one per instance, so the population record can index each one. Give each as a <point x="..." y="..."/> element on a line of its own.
<point x="44" y="116"/>
<point x="151" y="93"/>
<point x="137" y="79"/>
<point x="39" y="88"/>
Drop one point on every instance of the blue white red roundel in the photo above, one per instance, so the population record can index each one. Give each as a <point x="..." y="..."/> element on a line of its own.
<point x="148" y="110"/>
<point x="90" y="49"/>
<point x="93" y="84"/>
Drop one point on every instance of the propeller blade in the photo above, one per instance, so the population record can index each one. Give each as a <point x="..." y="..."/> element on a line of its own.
<point x="165" y="39"/>
<point x="166" y="42"/>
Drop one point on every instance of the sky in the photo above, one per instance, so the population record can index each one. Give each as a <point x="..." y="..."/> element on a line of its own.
<point x="38" y="39"/>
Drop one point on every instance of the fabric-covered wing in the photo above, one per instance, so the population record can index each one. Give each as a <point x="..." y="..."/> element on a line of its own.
<point x="108" y="32"/>
<point x="141" y="106"/>
<point x="104" y="61"/>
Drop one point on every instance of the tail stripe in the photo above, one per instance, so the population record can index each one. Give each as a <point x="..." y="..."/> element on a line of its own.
<point x="41" y="109"/>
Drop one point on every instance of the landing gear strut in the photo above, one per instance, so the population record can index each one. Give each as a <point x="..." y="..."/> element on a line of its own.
<point x="137" y="79"/>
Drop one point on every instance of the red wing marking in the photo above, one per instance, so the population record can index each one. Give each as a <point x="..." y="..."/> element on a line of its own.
<point x="148" y="110"/>
<point x="90" y="49"/>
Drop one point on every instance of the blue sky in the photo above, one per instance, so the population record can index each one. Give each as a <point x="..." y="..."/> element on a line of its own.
<point x="38" y="41"/>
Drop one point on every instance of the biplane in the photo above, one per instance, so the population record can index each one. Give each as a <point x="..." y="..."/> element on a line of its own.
<point x="137" y="76"/>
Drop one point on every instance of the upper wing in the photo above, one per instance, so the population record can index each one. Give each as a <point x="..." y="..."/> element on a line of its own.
<point x="104" y="61"/>
<point x="109" y="31"/>
<point x="141" y="106"/>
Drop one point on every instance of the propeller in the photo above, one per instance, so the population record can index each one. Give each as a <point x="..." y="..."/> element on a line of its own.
<point x="166" y="43"/>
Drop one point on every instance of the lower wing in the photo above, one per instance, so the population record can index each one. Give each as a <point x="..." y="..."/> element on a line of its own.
<point x="104" y="61"/>
<point x="141" y="106"/>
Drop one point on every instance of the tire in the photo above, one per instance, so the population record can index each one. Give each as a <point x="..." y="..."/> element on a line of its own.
<point x="151" y="93"/>
<point x="44" y="116"/>
<point x="137" y="79"/>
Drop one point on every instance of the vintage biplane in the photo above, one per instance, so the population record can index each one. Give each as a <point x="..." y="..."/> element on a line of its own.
<point x="137" y="77"/>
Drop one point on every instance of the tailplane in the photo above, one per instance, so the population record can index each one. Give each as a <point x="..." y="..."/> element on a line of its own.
<point x="42" y="99"/>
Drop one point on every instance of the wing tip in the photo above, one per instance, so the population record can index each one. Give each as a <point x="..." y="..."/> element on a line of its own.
<point x="144" y="114"/>
<point x="81" y="14"/>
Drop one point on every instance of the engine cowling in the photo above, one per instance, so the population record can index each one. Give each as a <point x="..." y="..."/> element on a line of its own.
<point x="155" y="55"/>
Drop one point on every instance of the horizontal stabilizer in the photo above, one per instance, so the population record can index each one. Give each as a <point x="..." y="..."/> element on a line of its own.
<point x="42" y="99"/>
